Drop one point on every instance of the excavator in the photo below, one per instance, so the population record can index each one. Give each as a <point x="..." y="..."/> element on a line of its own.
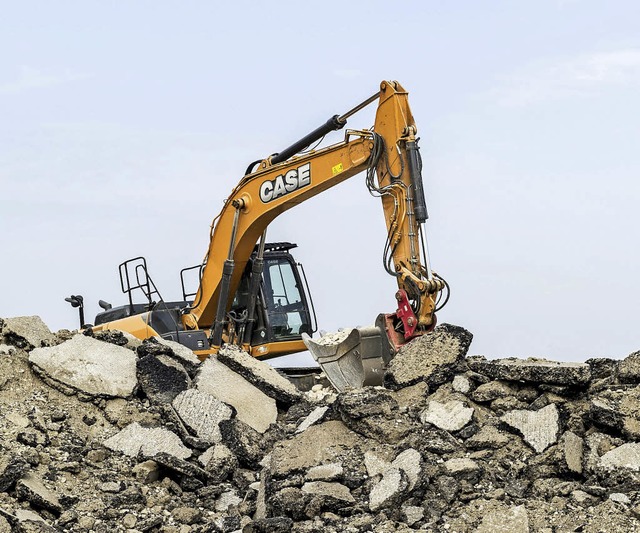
<point x="253" y="294"/>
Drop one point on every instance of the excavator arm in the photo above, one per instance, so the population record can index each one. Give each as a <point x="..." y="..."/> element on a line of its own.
<point x="389" y="155"/>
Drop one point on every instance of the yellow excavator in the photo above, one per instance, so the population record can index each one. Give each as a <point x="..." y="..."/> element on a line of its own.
<point x="253" y="294"/>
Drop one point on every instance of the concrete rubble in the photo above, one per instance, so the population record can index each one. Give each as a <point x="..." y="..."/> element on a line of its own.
<point x="106" y="433"/>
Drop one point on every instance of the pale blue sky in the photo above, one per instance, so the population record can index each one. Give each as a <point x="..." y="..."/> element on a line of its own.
<point x="123" y="126"/>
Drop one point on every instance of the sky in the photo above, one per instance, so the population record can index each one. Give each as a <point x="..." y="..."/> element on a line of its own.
<point x="125" y="125"/>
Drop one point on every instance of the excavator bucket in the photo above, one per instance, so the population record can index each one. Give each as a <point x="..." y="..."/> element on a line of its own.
<point x="352" y="358"/>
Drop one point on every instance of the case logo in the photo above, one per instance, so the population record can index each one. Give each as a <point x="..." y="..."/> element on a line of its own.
<point x="286" y="183"/>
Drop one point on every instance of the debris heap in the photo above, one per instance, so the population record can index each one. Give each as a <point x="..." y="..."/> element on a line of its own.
<point x="106" y="433"/>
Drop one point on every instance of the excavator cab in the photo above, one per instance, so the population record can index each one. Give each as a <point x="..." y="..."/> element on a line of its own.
<point x="283" y="307"/>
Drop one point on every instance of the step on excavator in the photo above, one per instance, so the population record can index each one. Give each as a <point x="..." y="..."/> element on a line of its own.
<point x="253" y="294"/>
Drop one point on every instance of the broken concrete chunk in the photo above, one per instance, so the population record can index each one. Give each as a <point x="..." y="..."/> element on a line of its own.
<point x="505" y="520"/>
<point x="315" y="416"/>
<point x="147" y="471"/>
<point x="539" y="429"/>
<point x="260" y="374"/>
<point x="389" y="490"/>
<point x="432" y="358"/>
<point x="32" y="489"/>
<point x="336" y="491"/>
<point x="201" y="413"/>
<point x="375" y="464"/>
<point x="26" y="332"/>
<point x="410" y="462"/>
<point x="93" y="367"/>
<point x="11" y="469"/>
<point x="489" y="437"/>
<point x="179" y="465"/>
<point x="320" y="444"/>
<point x="626" y="456"/>
<point x="629" y="369"/>
<point x="181" y="353"/>
<point x="244" y="441"/>
<point x="533" y="370"/>
<point x="450" y="416"/>
<point x="487" y="392"/>
<point x="573" y="449"/>
<point x="161" y="378"/>
<point x="462" y="468"/>
<point x="327" y="472"/>
<point x="219" y="462"/>
<point x="461" y="384"/>
<point x="222" y="383"/>
<point x="136" y="440"/>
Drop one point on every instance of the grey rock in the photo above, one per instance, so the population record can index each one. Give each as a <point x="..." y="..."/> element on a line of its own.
<point x="161" y="378"/>
<point x="136" y="440"/>
<point x="202" y="413"/>
<point x="32" y="489"/>
<point x="227" y="500"/>
<point x="26" y="332"/>
<point x="532" y="370"/>
<point x="602" y="367"/>
<point x="432" y="358"/>
<point x="450" y="416"/>
<point x="539" y="429"/>
<point x="375" y="464"/>
<point x="260" y="374"/>
<point x="93" y="367"/>
<point x="373" y="412"/>
<point x="222" y="383"/>
<point x="186" y="515"/>
<point x="315" y="416"/>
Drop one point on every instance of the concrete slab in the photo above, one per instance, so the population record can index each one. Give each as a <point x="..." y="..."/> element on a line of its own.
<point x="450" y="416"/>
<point x="26" y="332"/>
<point x="222" y="383"/>
<point x="135" y="440"/>
<point x="539" y="429"/>
<point x="431" y="358"/>
<point x="532" y="370"/>
<point x="259" y="374"/>
<point x="88" y="365"/>
<point x="202" y="413"/>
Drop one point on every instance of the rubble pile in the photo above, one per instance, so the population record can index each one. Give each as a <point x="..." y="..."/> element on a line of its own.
<point x="105" y="433"/>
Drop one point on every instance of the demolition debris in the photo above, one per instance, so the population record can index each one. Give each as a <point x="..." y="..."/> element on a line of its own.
<point x="106" y="433"/>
